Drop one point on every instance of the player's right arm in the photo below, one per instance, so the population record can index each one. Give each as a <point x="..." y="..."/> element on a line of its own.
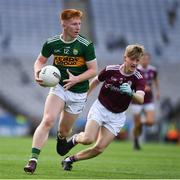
<point x="38" y="65"/>
<point x="93" y="84"/>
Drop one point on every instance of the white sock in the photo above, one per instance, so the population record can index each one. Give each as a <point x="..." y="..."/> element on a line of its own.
<point x="74" y="139"/>
<point x="67" y="159"/>
<point x="33" y="159"/>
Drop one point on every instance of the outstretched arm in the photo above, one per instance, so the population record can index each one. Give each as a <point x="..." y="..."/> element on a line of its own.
<point x="90" y="73"/>
<point x="93" y="84"/>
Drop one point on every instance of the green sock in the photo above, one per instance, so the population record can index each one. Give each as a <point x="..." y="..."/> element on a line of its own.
<point x="35" y="153"/>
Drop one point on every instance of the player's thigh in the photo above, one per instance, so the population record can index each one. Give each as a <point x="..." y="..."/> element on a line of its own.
<point x="137" y="119"/>
<point x="75" y="102"/>
<point x="67" y="121"/>
<point x="150" y="116"/>
<point x="136" y="111"/>
<point x="149" y="112"/>
<point x="53" y="106"/>
<point x="105" y="137"/>
<point x="91" y="130"/>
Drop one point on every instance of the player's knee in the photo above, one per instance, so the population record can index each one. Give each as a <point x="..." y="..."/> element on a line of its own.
<point x="63" y="133"/>
<point x="137" y="124"/>
<point x="48" y="121"/>
<point x="149" y="122"/>
<point x="87" y="140"/>
<point x="98" y="149"/>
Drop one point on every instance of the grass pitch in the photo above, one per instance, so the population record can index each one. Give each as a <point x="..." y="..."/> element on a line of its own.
<point x="119" y="161"/>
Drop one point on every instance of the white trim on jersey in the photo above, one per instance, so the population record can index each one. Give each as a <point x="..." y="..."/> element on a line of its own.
<point x="83" y="40"/>
<point x="112" y="67"/>
<point x="138" y="74"/>
<point x="91" y="61"/>
<point x="53" y="39"/>
<point x="141" y="92"/>
<point x="118" y="67"/>
<point x="125" y="73"/>
<point x="66" y="42"/>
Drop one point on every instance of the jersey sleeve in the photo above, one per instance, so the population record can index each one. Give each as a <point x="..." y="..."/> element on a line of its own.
<point x="104" y="74"/>
<point x="90" y="52"/>
<point x="140" y="85"/>
<point x="155" y="74"/>
<point x="46" y="50"/>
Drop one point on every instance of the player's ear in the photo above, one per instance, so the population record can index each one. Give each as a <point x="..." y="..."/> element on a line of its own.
<point x="63" y="24"/>
<point x="124" y="58"/>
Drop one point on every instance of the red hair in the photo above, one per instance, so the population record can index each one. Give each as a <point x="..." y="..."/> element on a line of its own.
<point x="70" y="13"/>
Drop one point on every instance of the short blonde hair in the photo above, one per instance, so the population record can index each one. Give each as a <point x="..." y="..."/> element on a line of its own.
<point x="134" y="51"/>
<point x="70" y="13"/>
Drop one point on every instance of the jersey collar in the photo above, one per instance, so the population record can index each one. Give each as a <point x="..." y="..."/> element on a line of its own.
<point x="67" y="42"/>
<point x="122" y="72"/>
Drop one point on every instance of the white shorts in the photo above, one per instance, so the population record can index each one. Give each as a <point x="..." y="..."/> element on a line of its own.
<point x="74" y="102"/>
<point x="112" y="121"/>
<point x="137" y="108"/>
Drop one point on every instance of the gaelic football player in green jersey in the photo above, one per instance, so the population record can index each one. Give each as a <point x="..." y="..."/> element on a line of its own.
<point x="75" y="57"/>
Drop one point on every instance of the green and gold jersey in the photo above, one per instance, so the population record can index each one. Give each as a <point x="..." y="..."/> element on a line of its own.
<point x="72" y="56"/>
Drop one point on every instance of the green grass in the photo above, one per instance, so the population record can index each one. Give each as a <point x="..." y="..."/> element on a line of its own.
<point x="119" y="161"/>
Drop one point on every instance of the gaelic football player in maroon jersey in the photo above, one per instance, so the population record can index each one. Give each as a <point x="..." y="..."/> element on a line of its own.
<point x="148" y="108"/>
<point x="121" y="84"/>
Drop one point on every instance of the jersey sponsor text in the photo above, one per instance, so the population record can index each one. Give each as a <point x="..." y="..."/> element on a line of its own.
<point x="69" y="61"/>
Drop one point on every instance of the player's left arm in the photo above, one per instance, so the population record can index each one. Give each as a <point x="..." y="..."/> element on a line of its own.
<point x="138" y="97"/>
<point x="88" y="74"/>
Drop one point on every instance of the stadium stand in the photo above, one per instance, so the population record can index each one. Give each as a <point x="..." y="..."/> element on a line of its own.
<point x="138" y="21"/>
<point x="29" y="23"/>
<point x="25" y="25"/>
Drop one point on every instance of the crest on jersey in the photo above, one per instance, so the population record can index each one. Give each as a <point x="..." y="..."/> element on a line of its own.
<point x="121" y="81"/>
<point x="113" y="78"/>
<point x="75" y="51"/>
<point x="66" y="50"/>
<point x="129" y="82"/>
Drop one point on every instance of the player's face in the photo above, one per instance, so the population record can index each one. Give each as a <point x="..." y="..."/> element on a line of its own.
<point x="145" y="61"/>
<point x="130" y="64"/>
<point x="72" y="27"/>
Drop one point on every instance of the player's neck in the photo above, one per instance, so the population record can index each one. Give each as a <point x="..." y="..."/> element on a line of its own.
<point x="126" y="70"/>
<point x="67" y="38"/>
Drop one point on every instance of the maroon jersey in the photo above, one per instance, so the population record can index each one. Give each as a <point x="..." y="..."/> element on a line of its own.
<point x="149" y="74"/>
<point x="110" y="95"/>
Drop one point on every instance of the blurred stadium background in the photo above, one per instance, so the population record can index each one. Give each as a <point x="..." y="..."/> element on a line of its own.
<point x="111" y="24"/>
